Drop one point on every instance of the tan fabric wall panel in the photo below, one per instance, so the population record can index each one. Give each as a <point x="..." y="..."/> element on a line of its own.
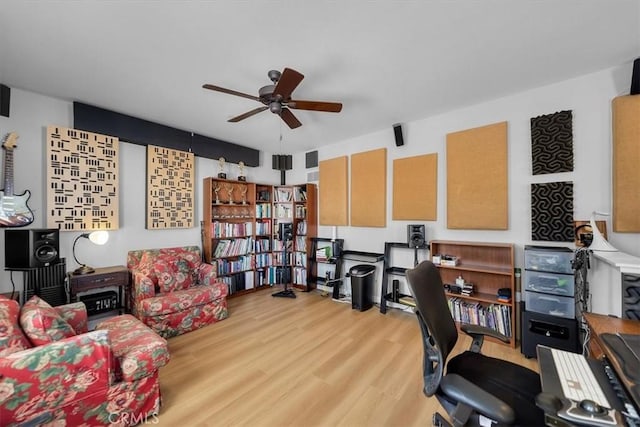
<point x="626" y="161"/>
<point x="334" y="198"/>
<point x="415" y="188"/>
<point x="477" y="187"/>
<point x="369" y="188"/>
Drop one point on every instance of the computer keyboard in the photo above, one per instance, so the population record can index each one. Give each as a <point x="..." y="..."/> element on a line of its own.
<point x="577" y="379"/>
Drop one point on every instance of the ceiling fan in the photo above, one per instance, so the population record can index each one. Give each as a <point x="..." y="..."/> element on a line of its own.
<point x="276" y="97"/>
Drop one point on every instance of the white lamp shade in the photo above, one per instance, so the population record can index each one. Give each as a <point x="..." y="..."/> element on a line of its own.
<point x="599" y="243"/>
<point x="99" y="237"/>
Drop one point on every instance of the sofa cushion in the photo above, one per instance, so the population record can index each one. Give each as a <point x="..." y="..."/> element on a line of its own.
<point x="138" y="350"/>
<point x="173" y="272"/>
<point x="12" y="338"/>
<point x="42" y="323"/>
<point x="182" y="300"/>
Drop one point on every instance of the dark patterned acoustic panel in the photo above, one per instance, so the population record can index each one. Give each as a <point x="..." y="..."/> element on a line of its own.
<point x="552" y="212"/>
<point x="552" y="143"/>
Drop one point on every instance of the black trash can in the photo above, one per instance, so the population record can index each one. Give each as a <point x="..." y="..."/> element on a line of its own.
<point x="362" y="277"/>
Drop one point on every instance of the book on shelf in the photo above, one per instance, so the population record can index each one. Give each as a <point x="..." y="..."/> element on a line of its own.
<point x="324" y="254"/>
<point x="493" y="316"/>
<point x="282" y="195"/>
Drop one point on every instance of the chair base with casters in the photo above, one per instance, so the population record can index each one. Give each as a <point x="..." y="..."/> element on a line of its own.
<point x="473" y="388"/>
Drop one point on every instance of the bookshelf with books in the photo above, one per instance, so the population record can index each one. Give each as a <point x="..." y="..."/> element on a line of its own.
<point x="229" y="231"/>
<point x="479" y="282"/>
<point x="295" y="205"/>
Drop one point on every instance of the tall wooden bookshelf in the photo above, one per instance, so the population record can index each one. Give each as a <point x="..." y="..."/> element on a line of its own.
<point x="229" y="231"/>
<point x="240" y="232"/>
<point x="489" y="267"/>
<point x="295" y="205"/>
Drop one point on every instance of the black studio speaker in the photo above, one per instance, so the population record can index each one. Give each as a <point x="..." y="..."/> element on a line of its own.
<point x="416" y="236"/>
<point x="635" y="78"/>
<point x="397" y="130"/>
<point x="31" y="248"/>
<point x="282" y="162"/>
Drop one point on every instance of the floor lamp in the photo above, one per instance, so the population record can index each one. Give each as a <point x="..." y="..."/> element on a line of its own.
<point x="97" y="237"/>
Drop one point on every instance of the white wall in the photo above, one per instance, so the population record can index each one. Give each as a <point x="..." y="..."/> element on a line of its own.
<point x="589" y="97"/>
<point x="30" y="114"/>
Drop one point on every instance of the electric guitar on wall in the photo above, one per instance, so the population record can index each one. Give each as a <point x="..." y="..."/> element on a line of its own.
<point x="14" y="211"/>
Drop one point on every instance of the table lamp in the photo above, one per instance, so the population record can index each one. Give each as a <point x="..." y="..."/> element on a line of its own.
<point x="599" y="243"/>
<point x="97" y="237"/>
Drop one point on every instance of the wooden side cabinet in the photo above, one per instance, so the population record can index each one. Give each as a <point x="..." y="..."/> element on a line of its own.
<point x="88" y="286"/>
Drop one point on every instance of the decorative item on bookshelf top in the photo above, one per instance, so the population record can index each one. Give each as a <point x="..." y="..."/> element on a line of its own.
<point x="241" y="174"/>
<point x="221" y="173"/>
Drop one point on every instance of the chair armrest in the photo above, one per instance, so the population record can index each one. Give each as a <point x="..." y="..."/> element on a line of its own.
<point x="142" y="287"/>
<point x="50" y="376"/>
<point x="467" y="393"/>
<point x="75" y="314"/>
<point x="207" y="274"/>
<point x="477" y="333"/>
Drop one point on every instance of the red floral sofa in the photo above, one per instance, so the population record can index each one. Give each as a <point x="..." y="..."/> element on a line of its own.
<point x="173" y="291"/>
<point x="54" y="372"/>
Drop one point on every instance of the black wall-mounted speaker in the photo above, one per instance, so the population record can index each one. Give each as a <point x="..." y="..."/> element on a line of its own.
<point x="5" y="100"/>
<point x="311" y="159"/>
<point x="282" y="162"/>
<point x="397" y="130"/>
<point x="416" y="235"/>
<point x="635" y="78"/>
<point x="31" y="248"/>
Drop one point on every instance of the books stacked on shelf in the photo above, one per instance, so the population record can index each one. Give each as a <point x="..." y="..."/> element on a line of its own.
<point x="323" y="254"/>
<point x="264" y="196"/>
<point x="236" y="247"/>
<point x="301" y="211"/>
<point x="467" y="289"/>
<point x="226" y="266"/>
<point x="262" y="245"/>
<point x="301" y="228"/>
<point x="231" y="229"/>
<point x="263" y="210"/>
<point x="301" y="244"/>
<point x="300" y="194"/>
<point x="494" y="316"/>
<point x="278" y="245"/>
<point x="263" y="259"/>
<point x="504" y="295"/>
<point x="299" y="259"/>
<point x="283" y="211"/>
<point x="282" y="195"/>
<point x="300" y="275"/>
<point x="238" y="282"/>
<point x="263" y="228"/>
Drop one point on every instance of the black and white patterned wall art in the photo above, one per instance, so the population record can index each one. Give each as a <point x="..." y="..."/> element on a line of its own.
<point x="552" y="143"/>
<point x="552" y="212"/>
<point x="82" y="180"/>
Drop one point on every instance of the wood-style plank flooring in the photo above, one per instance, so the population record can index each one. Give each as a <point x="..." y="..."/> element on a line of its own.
<point x="308" y="361"/>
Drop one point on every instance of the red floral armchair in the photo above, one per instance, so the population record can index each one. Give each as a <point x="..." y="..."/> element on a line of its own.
<point x="173" y="291"/>
<point x="73" y="377"/>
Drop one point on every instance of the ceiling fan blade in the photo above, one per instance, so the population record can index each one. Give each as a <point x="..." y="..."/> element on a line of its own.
<point x="230" y="92"/>
<point x="331" y="107"/>
<point x="287" y="116"/>
<point x="289" y="80"/>
<point x="247" y="114"/>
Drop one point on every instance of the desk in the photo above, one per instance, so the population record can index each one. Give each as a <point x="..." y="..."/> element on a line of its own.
<point x="600" y="324"/>
<point x="107" y="277"/>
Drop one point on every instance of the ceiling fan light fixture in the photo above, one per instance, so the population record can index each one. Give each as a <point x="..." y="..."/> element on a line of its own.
<point x="275" y="107"/>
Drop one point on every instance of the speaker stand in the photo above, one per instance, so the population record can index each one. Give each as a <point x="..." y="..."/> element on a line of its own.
<point x="286" y="293"/>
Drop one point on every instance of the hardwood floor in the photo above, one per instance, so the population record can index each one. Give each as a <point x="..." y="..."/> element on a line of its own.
<point x="304" y="362"/>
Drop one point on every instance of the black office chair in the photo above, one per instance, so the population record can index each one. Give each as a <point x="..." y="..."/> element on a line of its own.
<point x="473" y="384"/>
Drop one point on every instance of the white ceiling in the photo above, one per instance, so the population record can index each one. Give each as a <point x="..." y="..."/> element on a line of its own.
<point x="386" y="61"/>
